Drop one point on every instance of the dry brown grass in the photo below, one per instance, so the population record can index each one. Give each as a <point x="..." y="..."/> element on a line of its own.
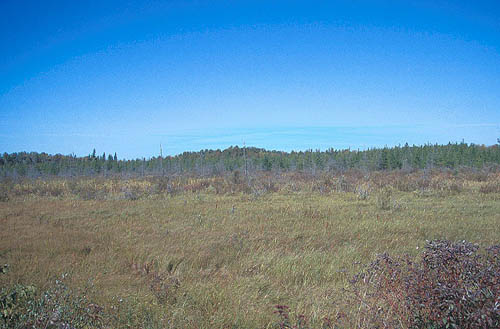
<point x="203" y="253"/>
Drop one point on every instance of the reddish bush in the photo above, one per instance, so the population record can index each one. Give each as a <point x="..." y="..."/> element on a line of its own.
<point x="452" y="285"/>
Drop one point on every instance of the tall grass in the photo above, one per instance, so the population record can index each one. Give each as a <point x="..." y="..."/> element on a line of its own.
<point x="207" y="253"/>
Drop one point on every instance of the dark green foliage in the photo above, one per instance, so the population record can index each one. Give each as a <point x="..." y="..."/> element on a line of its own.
<point x="214" y="162"/>
<point x="14" y="303"/>
<point x="267" y="165"/>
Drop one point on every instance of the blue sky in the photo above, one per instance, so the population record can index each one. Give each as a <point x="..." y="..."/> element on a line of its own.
<point x="126" y="76"/>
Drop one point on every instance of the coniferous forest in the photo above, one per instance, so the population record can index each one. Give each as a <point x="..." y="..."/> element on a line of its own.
<point x="251" y="159"/>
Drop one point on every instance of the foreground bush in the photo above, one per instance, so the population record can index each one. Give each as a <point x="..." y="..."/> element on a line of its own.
<point x="451" y="285"/>
<point x="25" y="307"/>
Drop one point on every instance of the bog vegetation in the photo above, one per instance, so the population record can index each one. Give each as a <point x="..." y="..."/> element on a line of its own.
<point x="405" y="237"/>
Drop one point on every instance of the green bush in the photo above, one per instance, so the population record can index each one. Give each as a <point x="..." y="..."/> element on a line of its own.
<point x="59" y="307"/>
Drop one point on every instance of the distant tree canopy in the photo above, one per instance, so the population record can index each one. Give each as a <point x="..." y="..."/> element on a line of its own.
<point x="214" y="162"/>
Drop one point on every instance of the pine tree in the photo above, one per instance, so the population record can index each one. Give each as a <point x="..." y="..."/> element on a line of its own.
<point x="384" y="159"/>
<point x="267" y="165"/>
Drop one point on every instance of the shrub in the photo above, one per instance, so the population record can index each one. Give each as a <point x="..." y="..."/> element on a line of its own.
<point x="48" y="188"/>
<point x="363" y="192"/>
<point x="85" y="190"/>
<point x="446" y="185"/>
<point x="406" y="183"/>
<point x="490" y="187"/>
<point x="323" y="185"/>
<point x="131" y="193"/>
<point x="163" y="284"/>
<point x="4" y="197"/>
<point x="72" y="186"/>
<point x="384" y="199"/>
<point x="23" y="307"/>
<point x="292" y="321"/>
<point x="452" y="285"/>
<point x="164" y="185"/>
<point x="343" y="185"/>
<point x="14" y="304"/>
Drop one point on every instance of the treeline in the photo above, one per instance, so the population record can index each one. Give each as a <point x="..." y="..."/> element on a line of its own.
<point x="251" y="160"/>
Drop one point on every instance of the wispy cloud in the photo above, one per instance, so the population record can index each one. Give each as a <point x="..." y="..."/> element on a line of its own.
<point x="465" y="125"/>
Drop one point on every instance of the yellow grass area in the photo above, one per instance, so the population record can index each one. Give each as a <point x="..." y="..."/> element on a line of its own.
<point x="208" y="260"/>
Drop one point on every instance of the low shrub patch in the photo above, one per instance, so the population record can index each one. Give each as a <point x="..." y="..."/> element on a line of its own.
<point x="24" y="306"/>
<point x="451" y="285"/>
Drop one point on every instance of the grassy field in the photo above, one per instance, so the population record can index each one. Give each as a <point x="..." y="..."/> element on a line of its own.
<point x="207" y="260"/>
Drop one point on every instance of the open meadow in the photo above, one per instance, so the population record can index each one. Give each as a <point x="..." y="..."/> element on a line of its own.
<point x="205" y="253"/>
